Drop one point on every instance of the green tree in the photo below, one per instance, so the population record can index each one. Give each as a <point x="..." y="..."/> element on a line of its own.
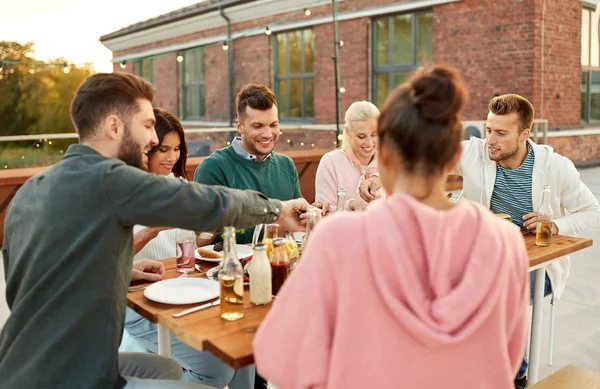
<point x="35" y="99"/>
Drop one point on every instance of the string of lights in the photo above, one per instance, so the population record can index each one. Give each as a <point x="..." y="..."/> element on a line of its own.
<point x="42" y="144"/>
<point x="226" y="43"/>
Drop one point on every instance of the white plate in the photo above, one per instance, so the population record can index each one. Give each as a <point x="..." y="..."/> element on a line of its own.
<point x="212" y="274"/>
<point x="242" y="251"/>
<point x="182" y="291"/>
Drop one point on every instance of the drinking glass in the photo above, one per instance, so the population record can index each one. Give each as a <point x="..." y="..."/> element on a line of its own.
<point x="184" y="250"/>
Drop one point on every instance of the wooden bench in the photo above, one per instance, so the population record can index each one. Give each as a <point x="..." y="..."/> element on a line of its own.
<point x="570" y="377"/>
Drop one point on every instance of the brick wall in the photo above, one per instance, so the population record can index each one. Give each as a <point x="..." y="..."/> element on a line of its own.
<point x="491" y="43"/>
<point x="495" y="44"/>
<point x="562" y="62"/>
<point x="577" y="148"/>
<point x="216" y="83"/>
<point x="497" y="47"/>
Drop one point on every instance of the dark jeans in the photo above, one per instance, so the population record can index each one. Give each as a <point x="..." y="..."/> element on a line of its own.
<point x="547" y="291"/>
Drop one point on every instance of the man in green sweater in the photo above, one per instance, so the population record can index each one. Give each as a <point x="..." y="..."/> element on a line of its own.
<point x="250" y="162"/>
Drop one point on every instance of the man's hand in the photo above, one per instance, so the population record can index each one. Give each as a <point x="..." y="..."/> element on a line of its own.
<point x="147" y="269"/>
<point x="324" y="207"/>
<point x="358" y="205"/>
<point x="368" y="188"/>
<point x="531" y="220"/>
<point x="289" y="220"/>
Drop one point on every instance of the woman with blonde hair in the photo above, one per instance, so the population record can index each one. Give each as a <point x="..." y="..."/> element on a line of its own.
<point x="356" y="161"/>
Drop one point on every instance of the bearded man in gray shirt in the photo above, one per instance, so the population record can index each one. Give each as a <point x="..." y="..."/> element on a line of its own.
<point x="68" y="244"/>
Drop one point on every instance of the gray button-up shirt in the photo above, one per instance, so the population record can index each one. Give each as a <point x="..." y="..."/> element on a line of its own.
<point x="68" y="249"/>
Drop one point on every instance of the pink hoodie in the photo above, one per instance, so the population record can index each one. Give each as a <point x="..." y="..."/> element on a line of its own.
<point x="401" y="296"/>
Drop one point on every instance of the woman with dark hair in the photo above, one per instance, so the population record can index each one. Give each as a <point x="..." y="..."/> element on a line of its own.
<point x="432" y="293"/>
<point x="167" y="158"/>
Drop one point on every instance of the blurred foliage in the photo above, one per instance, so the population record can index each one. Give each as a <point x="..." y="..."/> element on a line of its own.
<point x="35" y="99"/>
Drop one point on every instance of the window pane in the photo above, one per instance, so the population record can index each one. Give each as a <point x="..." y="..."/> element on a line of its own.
<point x="295" y="98"/>
<point x="192" y="101"/>
<point x="595" y="97"/>
<point x="309" y="104"/>
<point x="399" y="77"/>
<point x="193" y="66"/>
<point x="281" y="52"/>
<point x="382" y="42"/>
<point x="295" y="40"/>
<point x="403" y="42"/>
<point x="309" y="51"/>
<point x="381" y="88"/>
<point x="584" y="95"/>
<point x="144" y="69"/>
<point x="282" y="93"/>
<point x="425" y="38"/>
<point x="585" y="37"/>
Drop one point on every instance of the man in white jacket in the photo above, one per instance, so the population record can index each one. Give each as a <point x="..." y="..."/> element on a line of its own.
<point x="507" y="171"/>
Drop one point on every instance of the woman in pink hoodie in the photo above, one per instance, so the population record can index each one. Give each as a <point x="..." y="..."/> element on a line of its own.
<point x="416" y="292"/>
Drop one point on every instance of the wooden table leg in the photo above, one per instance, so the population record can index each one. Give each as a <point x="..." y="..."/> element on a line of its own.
<point x="164" y="341"/>
<point x="536" y="324"/>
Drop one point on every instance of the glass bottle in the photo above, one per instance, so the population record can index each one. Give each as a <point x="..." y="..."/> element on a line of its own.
<point x="292" y="250"/>
<point x="231" y="278"/>
<point x="279" y="264"/>
<point x="261" y="289"/>
<point x="341" y="200"/>
<point x="271" y="233"/>
<point x="313" y="215"/>
<point x="543" y="230"/>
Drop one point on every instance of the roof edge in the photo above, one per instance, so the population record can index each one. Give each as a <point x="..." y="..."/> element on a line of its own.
<point x="170" y="17"/>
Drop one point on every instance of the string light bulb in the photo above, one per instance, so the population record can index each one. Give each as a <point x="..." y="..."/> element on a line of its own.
<point x="342" y="90"/>
<point x="123" y="64"/>
<point x="341" y="43"/>
<point x="340" y="137"/>
<point x="268" y="31"/>
<point x="180" y="58"/>
<point x="1" y="65"/>
<point x="66" y="69"/>
<point x="225" y="46"/>
<point x="307" y="11"/>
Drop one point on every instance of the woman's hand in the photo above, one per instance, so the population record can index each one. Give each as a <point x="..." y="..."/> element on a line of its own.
<point x="148" y="270"/>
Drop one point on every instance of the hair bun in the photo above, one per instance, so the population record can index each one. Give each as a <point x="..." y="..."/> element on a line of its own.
<point x="438" y="93"/>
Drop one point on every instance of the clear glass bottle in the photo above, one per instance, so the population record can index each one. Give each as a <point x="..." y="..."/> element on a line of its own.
<point x="279" y="265"/>
<point x="231" y="278"/>
<point x="313" y="215"/>
<point x="341" y="200"/>
<point x="292" y="250"/>
<point x="543" y="229"/>
<point x="261" y="289"/>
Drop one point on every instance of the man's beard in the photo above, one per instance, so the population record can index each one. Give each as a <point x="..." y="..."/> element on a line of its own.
<point x="129" y="152"/>
<point x="509" y="155"/>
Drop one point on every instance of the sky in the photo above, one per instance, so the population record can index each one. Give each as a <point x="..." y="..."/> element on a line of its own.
<point x="72" y="28"/>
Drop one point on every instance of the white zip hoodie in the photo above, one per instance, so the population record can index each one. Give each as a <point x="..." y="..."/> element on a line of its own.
<point x="575" y="207"/>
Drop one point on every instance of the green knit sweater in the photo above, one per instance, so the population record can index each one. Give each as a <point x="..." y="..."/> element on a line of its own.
<point x="276" y="177"/>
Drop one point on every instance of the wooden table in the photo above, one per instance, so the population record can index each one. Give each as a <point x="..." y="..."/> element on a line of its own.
<point x="232" y="341"/>
<point x="539" y="258"/>
<point x="570" y="377"/>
